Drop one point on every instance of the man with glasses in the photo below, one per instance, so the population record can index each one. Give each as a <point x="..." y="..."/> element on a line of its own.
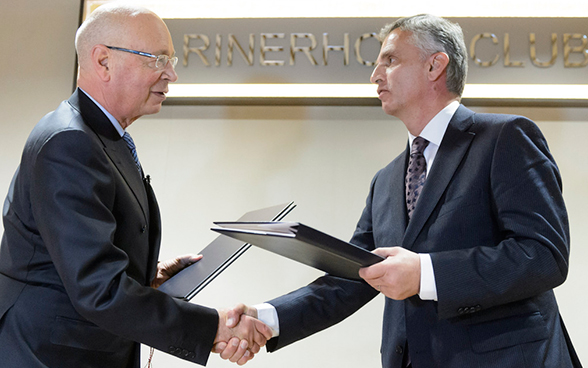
<point x="78" y="259"/>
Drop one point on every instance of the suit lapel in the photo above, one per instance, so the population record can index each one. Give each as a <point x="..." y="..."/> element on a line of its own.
<point x="397" y="201"/>
<point x="118" y="152"/>
<point x="455" y="144"/>
<point x="114" y="146"/>
<point x="154" y="230"/>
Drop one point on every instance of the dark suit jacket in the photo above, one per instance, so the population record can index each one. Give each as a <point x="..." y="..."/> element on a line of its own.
<point x="80" y="248"/>
<point x="491" y="215"/>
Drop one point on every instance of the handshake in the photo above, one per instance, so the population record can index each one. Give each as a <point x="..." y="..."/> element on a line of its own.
<point x="240" y="334"/>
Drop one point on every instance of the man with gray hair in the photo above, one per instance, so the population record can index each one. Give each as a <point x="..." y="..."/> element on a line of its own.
<point x="469" y="218"/>
<point x="78" y="258"/>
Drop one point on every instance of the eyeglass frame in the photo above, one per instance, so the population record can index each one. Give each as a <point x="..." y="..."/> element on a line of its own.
<point x="158" y="58"/>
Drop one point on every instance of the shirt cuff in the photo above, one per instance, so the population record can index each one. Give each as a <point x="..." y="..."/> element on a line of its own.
<point x="428" y="287"/>
<point x="267" y="314"/>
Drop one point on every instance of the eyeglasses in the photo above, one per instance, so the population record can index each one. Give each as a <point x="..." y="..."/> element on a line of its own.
<point x="160" y="61"/>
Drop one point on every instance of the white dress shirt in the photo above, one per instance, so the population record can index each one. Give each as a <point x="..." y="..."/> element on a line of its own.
<point x="433" y="132"/>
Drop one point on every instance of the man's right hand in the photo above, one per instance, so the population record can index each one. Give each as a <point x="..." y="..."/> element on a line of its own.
<point x="240" y="335"/>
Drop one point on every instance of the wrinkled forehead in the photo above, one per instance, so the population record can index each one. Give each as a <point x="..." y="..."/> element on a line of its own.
<point x="399" y="37"/>
<point x="394" y="41"/>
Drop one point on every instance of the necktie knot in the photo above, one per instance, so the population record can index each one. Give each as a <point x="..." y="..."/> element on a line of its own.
<point x="418" y="145"/>
<point x="131" y="144"/>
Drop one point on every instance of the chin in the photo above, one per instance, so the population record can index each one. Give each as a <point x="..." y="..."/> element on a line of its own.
<point x="153" y="110"/>
<point x="388" y="109"/>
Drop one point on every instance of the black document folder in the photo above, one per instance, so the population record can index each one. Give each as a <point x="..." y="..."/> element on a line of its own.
<point x="217" y="256"/>
<point x="303" y="244"/>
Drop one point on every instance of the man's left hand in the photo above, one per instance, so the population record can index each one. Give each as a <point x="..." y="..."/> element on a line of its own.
<point x="166" y="269"/>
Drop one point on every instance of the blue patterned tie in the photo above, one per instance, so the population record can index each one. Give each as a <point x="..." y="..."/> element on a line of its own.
<point x="131" y="144"/>
<point x="416" y="173"/>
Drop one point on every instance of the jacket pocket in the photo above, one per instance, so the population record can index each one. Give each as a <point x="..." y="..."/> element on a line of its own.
<point x="506" y="332"/>
<point x="85" y="335"/>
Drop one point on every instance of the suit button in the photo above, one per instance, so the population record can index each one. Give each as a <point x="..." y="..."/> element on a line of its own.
<point x="461" y="311"/>
<point x="399" y="349"/>
<point x="144" y="228"/>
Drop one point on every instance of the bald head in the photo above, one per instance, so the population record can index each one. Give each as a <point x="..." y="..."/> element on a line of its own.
<point x="111" y="24"/>
<point x="117" y="47"/>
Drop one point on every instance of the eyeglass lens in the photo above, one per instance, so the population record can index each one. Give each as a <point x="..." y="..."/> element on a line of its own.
<point x="162" y="61"/>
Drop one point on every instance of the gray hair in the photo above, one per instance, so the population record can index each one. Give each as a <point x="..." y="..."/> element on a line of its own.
<point x="433" y="34"/>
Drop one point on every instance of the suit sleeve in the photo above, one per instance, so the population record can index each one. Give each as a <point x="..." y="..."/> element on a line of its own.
<point x="531" y="255"/>
<point x="326" y="301"/>
<point x="72" y="199"/>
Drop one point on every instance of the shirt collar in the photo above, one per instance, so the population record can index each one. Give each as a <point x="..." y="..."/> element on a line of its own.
<point x="112" y="119"/>
<point x="435" y="129"/>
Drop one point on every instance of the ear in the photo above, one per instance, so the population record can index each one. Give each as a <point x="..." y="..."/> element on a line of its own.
<point x="437" y="64"/>
<point x="100" y="59"/>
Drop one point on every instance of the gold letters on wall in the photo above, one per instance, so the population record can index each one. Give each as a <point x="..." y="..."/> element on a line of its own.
<point x="569" y="48"/>
<point x="295" y="47"/>
<point x="532" y="56"/>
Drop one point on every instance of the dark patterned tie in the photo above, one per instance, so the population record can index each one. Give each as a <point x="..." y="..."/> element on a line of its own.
<point x="131" y="144"/>
<point x="416" y="173"/>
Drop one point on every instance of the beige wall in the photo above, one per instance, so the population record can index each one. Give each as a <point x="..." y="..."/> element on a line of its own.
<point x="213" y="163"/>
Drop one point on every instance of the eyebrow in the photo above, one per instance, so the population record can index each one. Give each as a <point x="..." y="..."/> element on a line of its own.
<point x="164" y="52"/>
<point x="386" y="54"/>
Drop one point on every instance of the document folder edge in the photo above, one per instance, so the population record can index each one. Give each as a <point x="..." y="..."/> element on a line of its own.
<point x="198" y="286"/>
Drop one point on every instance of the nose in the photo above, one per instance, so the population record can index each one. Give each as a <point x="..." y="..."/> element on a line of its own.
<point x="169" y="73"/>
<point x="376" y="76"/>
